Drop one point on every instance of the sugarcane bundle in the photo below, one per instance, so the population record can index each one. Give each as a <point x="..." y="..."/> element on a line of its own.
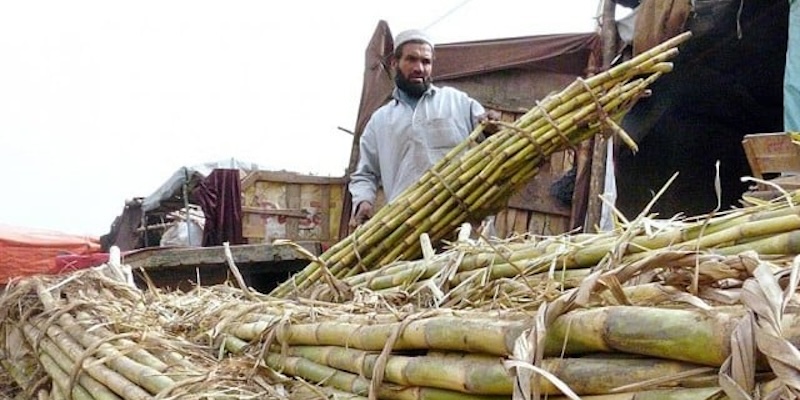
<point x="699" y="251"/>
<point x="174" y="342"/>
<point x="693" y="345"/>
<point x="84" y="336"/>
<point x="698" y="346"/>
<point x="718" y="259"/>
<point x="473" y="181"/>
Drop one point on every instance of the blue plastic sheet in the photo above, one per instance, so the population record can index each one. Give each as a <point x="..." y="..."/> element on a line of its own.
<point x="791" y="82"/>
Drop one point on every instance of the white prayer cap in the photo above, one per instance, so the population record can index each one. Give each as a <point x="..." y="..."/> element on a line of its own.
<point x="411" y="35"/>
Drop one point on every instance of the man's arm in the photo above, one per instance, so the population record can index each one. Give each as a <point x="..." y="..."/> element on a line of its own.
<point x="365" y="180"/>
<point x="480" y="115"/>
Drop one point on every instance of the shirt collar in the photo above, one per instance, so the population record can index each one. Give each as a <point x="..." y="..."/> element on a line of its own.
<point x="399" y="95"/>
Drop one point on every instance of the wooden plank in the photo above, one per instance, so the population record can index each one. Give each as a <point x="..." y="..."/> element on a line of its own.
<point x="500" y="225"/>
<point x="521" y="221"/>
<point x="293" y="201"/>
<point x="289" y="177"/>
<point x="548" y="224"/>
<point x="510" y="216"/>
<point x="752" y="158"/>
<point x="284" y="212"/>
<point x="165" y="257"/>
<point x="535" y="195"/>
<point x="771" y="153"/>
<point x="325" y="206"/>
<point x="557" y="225"/>
<point x="538" y="224"/>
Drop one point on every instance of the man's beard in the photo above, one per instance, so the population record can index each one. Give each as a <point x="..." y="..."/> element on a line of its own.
<point x="415" y="90"/>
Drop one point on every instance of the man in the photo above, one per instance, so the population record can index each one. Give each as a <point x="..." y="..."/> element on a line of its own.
<point x="413" y="131"/>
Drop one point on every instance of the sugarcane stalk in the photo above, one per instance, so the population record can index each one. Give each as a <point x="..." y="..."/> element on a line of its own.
<point x="468" y="374"/>
<point x="61" y="380"/>
<point x="359" y="385"/>
<point x="67" y="364"/>
<point x="783" y="243"/>
<point x="423" y="228"/>
<point x="686" y="335"/>
<point x="128" y="347"/>
<point x="161" y="360"/>
<point x="113" y="380"/>
<point x="703" y="393"/>
<point x="143" y="376"/>
<point x="58" y="394"/>
<point x="448" y="199"/>
<point x="735" y="234"/>
<point x="487" y="375"/>
<point x="454" y="333"/>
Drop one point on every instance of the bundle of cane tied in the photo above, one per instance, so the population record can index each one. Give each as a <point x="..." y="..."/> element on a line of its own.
<point x="476" y="179"/>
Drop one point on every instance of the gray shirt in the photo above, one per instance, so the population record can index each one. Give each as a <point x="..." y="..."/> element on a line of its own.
<point x="401" y="142"/>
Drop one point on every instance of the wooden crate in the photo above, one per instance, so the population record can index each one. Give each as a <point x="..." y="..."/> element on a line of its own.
<point x="772" y="153"/>
<point x="287" y="205"/>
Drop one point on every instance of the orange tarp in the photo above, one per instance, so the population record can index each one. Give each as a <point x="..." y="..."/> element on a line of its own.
<point x="26" y="251"/>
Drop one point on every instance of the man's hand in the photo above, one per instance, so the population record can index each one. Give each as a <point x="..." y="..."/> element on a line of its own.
<point x="487" y="118"/>
<point x="363" y="213"/>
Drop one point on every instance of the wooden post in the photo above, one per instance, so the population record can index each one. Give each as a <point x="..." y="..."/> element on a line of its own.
<point x="608" y="31"/>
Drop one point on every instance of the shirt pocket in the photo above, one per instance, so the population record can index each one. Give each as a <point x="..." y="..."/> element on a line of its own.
<point x="442" y="133"/>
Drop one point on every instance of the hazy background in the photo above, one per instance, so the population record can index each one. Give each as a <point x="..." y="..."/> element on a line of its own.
<point x="101" y="101"/>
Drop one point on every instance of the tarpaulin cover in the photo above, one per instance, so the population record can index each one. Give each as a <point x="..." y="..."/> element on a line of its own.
<point x="173" y="186"/>
<point x="28" y="251"/>
<point x="220" y="197"/>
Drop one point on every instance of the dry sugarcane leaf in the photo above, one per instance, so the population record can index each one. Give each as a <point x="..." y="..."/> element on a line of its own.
<point x="720" y="296"/>
<point x="737" y="373"/>
<point x="791" y="288"/>
<point x="764" y="296"/>
<point x="563" y="387"/>
<point x="717" y="269"/>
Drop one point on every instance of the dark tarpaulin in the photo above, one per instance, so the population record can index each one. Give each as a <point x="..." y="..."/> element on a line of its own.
<point x="547" y="52"/>
<point x="220" y="197"/>
<point x="375" y="90"/>
<point x="472" y="65"/>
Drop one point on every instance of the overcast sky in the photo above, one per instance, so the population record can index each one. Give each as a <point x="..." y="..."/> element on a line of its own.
<point x="101" y="101"/>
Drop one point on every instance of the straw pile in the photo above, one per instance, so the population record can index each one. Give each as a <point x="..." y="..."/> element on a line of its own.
<point x="691" y="309"/>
